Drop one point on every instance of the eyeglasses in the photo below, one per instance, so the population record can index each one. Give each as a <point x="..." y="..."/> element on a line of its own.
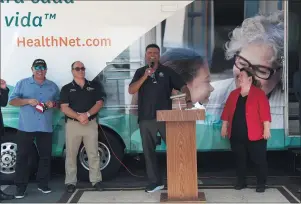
<point x="262" y="72"/>
<point x="79" y="69"/>
<point x="38" y="68"/>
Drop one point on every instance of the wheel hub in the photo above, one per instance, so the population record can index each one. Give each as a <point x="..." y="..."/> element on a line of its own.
<point x="104" y="156"/>
<point x="8" y="157"/>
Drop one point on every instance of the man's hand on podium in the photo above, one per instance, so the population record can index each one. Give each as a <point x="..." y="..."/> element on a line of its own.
<point x="189" y="104"/>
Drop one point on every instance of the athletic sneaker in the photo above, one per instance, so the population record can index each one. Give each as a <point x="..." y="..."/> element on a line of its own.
<point x="153" y="187"/>
<point x="45" y="189"/>
<point x="20" y="192"/>
<point x="260" y="188"/>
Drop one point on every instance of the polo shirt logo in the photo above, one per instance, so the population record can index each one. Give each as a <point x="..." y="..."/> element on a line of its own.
<point x="161" y="74"/>
<point x="90" y="89"/>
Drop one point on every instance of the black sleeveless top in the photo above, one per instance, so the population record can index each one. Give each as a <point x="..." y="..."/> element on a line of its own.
<point x="239" y="130"/>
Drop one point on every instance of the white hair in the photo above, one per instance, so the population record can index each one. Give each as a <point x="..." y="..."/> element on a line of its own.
<point x="260" y="29"/>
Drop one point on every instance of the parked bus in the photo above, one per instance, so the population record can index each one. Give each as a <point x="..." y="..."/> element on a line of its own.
<point x="113" y="57"/>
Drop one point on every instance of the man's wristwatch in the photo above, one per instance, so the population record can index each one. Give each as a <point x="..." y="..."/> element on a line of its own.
<point x="88" y="114"/>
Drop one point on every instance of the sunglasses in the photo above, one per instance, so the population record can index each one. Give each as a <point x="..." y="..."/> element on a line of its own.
<point x="79" y="69"/>
<point x="38" y="68"/>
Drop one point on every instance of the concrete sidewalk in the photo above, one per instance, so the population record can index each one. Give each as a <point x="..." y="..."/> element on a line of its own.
<point x="214" y="194"/>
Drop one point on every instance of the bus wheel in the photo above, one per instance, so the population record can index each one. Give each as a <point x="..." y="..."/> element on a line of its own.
<point x="9" y="157"/>
<point x="109" y="164"/>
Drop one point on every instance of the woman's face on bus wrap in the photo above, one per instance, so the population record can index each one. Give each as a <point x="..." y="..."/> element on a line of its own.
<point x="200" y="87"/>
<point x="258" y="56"/>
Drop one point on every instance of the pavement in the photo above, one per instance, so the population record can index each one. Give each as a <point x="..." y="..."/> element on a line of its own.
<point x="216" y="180"/>
<point x="213" y="195"/>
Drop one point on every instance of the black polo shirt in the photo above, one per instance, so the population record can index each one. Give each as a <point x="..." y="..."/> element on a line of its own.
<point x="156" y="96"/>
<point x="83" y="99"/>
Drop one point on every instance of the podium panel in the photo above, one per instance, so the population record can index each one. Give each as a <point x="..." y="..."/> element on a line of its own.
<point x="182" y="181"/>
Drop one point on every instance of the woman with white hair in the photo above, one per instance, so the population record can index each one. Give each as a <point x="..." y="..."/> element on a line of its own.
<point x="258" y="44"/>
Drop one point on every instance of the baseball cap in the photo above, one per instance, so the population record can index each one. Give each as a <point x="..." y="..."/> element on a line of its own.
<point x="39" y="62"/>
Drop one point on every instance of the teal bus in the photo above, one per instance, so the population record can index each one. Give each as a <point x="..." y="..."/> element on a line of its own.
<point x="201" y="26"/>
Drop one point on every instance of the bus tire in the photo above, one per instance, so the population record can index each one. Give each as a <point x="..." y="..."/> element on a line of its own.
<point x="109" y="164"/>
<point x="9" y="155"/>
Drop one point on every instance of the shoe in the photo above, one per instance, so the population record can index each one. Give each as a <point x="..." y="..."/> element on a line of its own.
<point x="20" y="192"/>
<point x="98" y="186"/>
<point x="240" y="186"/>
<point x="4" y="196"/>
<point x="70" y="188"/>
<point x="153" y="187"/>
<point x="45" y="189"/>
<point x="260" y="189"/>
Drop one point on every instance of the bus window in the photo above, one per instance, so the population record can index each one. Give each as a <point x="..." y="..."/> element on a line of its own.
<point x="294" y="67"/>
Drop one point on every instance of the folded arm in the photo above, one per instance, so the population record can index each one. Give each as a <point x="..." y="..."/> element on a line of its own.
<point x="68" y="111"/>
<point x="95" y="109"/>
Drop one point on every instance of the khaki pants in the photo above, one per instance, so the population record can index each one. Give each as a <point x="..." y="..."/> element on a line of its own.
<point x="75" y="134"/>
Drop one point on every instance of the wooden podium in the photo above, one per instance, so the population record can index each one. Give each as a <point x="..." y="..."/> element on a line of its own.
<point x="182" y="180"/>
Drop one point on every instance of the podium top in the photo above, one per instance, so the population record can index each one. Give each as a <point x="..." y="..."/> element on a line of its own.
<point x="181" y="115"/>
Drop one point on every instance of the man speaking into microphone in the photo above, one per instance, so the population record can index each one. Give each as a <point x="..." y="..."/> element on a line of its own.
<point x="154" y="84"/>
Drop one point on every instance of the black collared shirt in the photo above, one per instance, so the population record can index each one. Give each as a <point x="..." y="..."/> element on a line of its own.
<point x="83" y="99"/>
<point x="3" y="103"/>
<point x="156" y="96"/>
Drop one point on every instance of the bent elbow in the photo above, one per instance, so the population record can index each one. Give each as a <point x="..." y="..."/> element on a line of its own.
<point x="63" y="109"/>
<point x="131" y="91"/>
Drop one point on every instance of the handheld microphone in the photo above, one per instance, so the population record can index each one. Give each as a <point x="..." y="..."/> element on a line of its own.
<point x="152" y="64"/>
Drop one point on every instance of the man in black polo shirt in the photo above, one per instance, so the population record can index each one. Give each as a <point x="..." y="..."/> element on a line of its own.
<point x="154" y="84"/>
<point x="80" y="101"/>
<point x="3" y="102"/>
